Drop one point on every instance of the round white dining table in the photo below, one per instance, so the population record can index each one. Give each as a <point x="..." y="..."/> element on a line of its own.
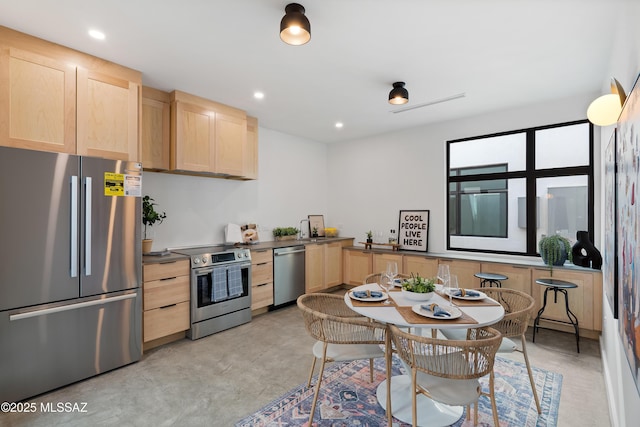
<point x="430" y="412"/>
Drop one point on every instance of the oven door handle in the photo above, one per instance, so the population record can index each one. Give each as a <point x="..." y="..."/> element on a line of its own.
<point x="202" y="271"/>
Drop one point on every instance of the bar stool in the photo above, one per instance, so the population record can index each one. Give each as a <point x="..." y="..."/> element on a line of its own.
<point x="491" y="279"/>
<point x="556" y="286"/>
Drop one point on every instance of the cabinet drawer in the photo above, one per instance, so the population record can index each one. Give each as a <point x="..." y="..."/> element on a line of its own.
<point x="165" y="270"/>
<point x="261" y="296"/>
<point x="262" y="273"/>
<point x="161" y="322"/>
<point x="259" y="257"/>
<point x="159" y="293"/>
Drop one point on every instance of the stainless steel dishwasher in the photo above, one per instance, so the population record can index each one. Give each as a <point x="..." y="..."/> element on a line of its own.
<point x="288" y="274"/>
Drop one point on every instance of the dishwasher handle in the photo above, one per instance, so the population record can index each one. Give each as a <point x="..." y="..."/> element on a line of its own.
<point x="288" y="253"/>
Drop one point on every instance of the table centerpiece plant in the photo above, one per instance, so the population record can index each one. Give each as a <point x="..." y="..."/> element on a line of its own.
<point x="418" y="288"/>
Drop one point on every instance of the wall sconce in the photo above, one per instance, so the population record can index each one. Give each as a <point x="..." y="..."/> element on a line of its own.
<point x="398" y="95"/>
<point x="605" y="110"/>
<point x="295" y="28"/>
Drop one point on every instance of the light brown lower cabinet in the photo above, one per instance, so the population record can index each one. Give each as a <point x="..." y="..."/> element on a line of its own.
<point x="424" y="266"/>
<point x="357" y="264"/>
<point x="464" y="270"/>
<point x="166" y="299"/>
<point x="519" y="277"/>
<point x="261" y="278"/>
<point x="380" y="261"/>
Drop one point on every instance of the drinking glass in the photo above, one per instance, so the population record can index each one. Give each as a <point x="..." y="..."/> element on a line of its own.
<point x="392" y="270"/>
<point x="443" y="275"/>
<point x="386" y="283"/>
<point x="453" y="287"/>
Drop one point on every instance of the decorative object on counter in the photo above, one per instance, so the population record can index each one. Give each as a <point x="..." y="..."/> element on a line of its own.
<point x="414" y="230"/>
<point x="369" y="236"/>
<point x="317" y="222"/>
<point x="584" y="253"/>
<point x="331" y="232"/>
<point x="149" y="218"/>
<point x="314" y="232"/>
<point x="554" y="250"/>
<point x="418" y="288"/>
<point x="285" y="233"/>
<point x="250" y="233"/>
<point x="392" y="236"/>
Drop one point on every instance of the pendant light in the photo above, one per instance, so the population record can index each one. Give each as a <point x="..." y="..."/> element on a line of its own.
<point x="398" y="95"/>
<point x="605" y="110"/>
<point x="295" y="28"/>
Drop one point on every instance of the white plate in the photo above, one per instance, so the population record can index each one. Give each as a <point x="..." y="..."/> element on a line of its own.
<point x="455" y="312"/>
<point x="369" y="299"/>
<point x="468" y="298"/>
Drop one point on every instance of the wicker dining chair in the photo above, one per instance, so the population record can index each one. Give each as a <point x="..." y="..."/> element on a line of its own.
<point x="448" y="371"/>
<point x="341" y="334"/>
<point x="375" y="278"/>
<point x="518" y="307"/>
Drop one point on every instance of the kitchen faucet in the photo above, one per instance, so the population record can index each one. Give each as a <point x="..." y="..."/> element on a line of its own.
<point x="301" y="233"/>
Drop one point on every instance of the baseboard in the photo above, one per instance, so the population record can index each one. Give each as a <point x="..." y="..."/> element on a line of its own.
<point x="608" y="386"/>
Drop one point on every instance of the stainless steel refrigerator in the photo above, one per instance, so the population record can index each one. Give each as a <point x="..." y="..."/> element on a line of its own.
<point x="70" y="269"/>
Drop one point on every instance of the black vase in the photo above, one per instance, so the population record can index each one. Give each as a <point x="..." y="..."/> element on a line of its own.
<point x="584" y="253"/>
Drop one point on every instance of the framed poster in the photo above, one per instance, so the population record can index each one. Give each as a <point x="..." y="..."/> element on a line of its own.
<point x="413" y="230"/>
<point x="610" y="259"/>
<point x="627" y="226"/>
<point x="317" y="222"/>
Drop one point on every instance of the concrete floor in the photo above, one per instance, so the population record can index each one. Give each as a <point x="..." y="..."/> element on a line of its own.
<point x="217" y="380"/>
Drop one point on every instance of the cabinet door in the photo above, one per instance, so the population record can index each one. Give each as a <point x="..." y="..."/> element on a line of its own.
<point x="424" y="266"/>
<point x="107" y="117"/>
<point x="314" y="268"/>
<point x="155" y="130"/>
<point x="581" y="301"/>
<point x="37" y="102"/>
<point x="332" y="264"/>
<point x="380" y="262"/>
<point x="251" y="150"/>
<point x="357" y="265"/>
<point x="519" y="277"/>
<point x="192" y="137"/>
<point x="465" y="271"/>
<point x="231" y="138"/>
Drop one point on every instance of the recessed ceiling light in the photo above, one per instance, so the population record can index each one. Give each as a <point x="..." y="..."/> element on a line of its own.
<point x="97" y="34"/>
<point x="258" y="95"/>
<point x="339" y="125"/>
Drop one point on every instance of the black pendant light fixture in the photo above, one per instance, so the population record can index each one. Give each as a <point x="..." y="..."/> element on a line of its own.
<point x="398" y="95"/>
<point x="295" y="28"/>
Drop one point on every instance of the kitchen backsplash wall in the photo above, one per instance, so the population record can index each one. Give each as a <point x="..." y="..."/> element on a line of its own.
<point x="292" y="183"/>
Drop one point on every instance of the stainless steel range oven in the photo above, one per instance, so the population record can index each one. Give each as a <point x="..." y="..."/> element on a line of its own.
<point x="220" y="289"/>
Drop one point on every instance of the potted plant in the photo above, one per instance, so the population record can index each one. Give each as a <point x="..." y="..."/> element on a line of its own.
<point x="285" y="233"/>
<point x="369" y="237"/>
<point x="149" y="217"/>
<point x="555" y="250"/>
<point x="314" y="232"/>
<point x="419" y="288"/>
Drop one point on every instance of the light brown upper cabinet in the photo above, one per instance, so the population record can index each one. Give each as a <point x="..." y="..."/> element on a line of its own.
<point x="53" y="98"/>
<point x="251" y="150"/>
<point x="207" y="137"/>
<point x="155" y="129"/>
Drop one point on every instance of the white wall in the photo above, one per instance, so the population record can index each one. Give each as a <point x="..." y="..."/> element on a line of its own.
<point x="624" y="400"/>
<point x="292" y="184"/>
<point x="371" y="179"/>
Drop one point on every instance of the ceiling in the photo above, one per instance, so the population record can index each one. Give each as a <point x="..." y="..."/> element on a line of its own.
<point x="499" y="53"/>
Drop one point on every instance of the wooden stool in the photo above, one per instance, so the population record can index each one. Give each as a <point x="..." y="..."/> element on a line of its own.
<point x="490" y="279"/>
<point x="557" y="286"/>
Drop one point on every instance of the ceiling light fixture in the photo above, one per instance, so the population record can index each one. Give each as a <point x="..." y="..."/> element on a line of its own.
<point x="605" y="110"/>
<point x="295" y="28"/>
<point x="339" y="125"/>
<point x="398" y="95"/>
<point x="97" y="34"/>
<point x="258" y="95"/>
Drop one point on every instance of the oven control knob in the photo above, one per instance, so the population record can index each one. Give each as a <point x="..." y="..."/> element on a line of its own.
<point x="196" y="260"/>
<point x="240" y="255"/>
<point x="204" y="259"/>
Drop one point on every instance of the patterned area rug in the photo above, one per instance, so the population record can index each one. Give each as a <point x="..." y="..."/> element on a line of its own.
<point x="347" y="399"/>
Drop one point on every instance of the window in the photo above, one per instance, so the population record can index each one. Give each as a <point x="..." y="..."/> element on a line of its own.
<point x="508" y="190"/>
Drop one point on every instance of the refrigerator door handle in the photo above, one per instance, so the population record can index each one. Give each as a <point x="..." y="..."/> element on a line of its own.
<point x="74" y="226"/>
<point x="87" y="227"/>
<point x="58" y="309"/>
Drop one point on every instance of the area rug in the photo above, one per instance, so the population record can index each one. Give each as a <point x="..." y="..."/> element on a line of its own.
<point x="348" y="399"/>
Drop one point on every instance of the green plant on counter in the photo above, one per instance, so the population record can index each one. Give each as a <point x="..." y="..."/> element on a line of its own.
<point x="419" y="284"/>
<point x="554" y="250"/>
<point x="285" y="231"/>
<point x="149" y="214"/>
<point x="369" y="234"/>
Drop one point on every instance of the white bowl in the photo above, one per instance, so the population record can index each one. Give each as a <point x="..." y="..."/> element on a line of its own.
<point x="415" y="296"/>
